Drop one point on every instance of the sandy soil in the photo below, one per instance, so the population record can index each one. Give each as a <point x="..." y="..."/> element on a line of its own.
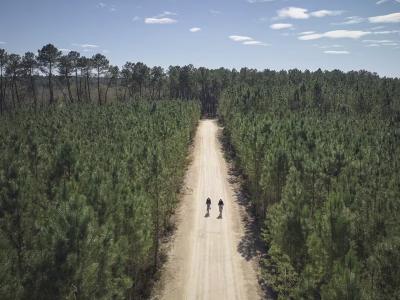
<point x="204" y="259"/>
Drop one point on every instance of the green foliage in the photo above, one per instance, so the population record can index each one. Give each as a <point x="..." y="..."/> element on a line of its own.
<point x="85" y="193"/>
<point x="320" y="153"/>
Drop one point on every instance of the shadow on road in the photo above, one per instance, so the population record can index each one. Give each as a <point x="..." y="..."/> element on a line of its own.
<point x="250" y="245"/>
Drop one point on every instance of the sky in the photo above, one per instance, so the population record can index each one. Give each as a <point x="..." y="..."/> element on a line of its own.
<point x="263" y="34"/>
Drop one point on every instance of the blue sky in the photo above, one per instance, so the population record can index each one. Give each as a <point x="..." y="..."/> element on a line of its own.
<point x="274" y="34"/>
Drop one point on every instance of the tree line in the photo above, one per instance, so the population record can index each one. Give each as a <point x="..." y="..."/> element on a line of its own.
<point x="50" y="76"/>
<point x="86" y="193"/>
<point x="320" y="155"/>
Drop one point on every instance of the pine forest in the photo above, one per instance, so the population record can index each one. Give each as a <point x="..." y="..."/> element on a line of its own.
<point x="93" y="159"/>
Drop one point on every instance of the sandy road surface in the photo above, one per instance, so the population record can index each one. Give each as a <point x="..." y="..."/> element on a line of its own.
<point x="204" y="262"/>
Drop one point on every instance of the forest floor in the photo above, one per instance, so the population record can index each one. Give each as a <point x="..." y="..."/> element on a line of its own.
<point x="210" y="257"/>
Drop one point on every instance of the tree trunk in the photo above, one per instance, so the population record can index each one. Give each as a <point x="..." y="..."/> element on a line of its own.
<point x="85" y="89"/>
<point x="98" y="85"/>
<point x="82" y="92"/>
<point x="51" y="86"/>
<point x="42" y="96"/>
<point x="76" y="85"/>
<point x="116" y="91"/>
<point x="108" y="87"/>
<point x="64" y="95"/>
<point x="12" y="91"/>
<point x="126" y="89"/>
<point x="88" y="87"/>
<point x="16" y="91"/>
<point x="69" y="89"/>
<point x="1" y="91"/>
<point x="33" y="90"/>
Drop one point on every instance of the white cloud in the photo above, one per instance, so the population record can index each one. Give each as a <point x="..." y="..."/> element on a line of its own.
<point x="102" y="5"/>
<point x="89" y="46"/>
<point x="86" y="46"/>
<point x="135" y="18"/>
<point x="254" y="43"/>
<point x="195" y="29"/>
<point x="161" y="21"/>
<point x="331" y="46"/>
<point x="377" y="27"/>
<point x="163" y="18"/>
<point x="335" y="34"/>
<point x="309" y="37"/>
<point x="293" y="13"/>
<point x="325" y="13"/>
<point x="2" y="43"/>
<point x="240" y="38"/>
<point x="278" y="26"/>
<point x="302" y="13"/>
<point x="351" y="20"/>
<point x="246" y="40"/>
<point x="382" y="44"/>
<point x="386" y="32"/>
<point x="336" y="52"/>
<point x="377" y="41"/>
<point x="384" y="1"/>
<point x="390" y="18"/>
<point x="306" y="32"/>
<point x="166" y="14"/>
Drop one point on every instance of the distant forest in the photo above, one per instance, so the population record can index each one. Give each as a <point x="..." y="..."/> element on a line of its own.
<point x="48" y="77"/>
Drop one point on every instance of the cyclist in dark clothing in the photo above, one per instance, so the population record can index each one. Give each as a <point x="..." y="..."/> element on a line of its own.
<point x="220" y="206"/>
<point x="208" y="203"/>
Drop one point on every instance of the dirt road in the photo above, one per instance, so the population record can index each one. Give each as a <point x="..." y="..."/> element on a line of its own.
<point x="204" y="261"/>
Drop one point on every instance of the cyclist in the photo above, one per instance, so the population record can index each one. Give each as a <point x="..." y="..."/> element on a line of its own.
<point x="220" y="206"/>
<point x="208" y="203"/>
